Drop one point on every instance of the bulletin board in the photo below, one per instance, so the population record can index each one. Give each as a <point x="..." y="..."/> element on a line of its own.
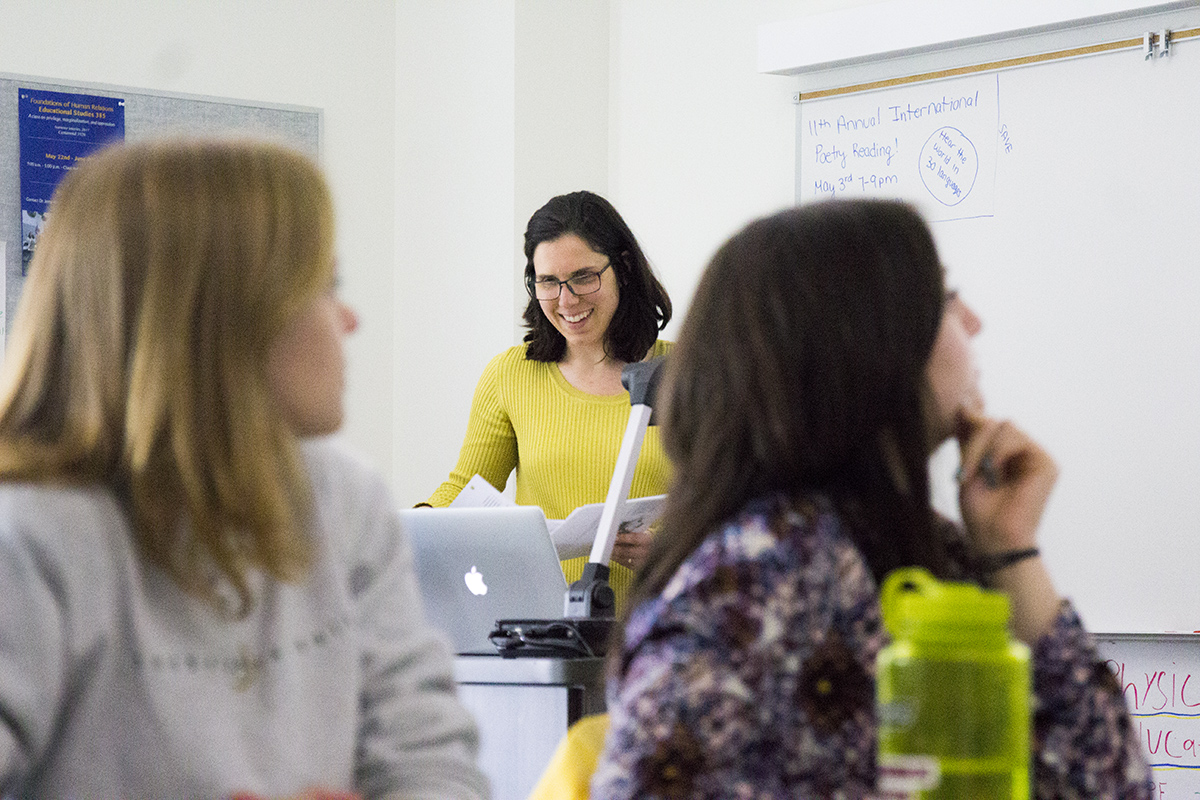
<point x="146" y="114"/>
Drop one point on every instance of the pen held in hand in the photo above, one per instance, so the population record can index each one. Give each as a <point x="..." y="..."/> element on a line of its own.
<point x="987" y="470"/>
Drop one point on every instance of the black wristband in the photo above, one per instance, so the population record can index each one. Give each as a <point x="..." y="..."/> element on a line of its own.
<point x="995" y="562"/>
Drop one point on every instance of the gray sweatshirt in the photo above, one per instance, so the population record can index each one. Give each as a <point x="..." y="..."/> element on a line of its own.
<point x="114" y="683"/>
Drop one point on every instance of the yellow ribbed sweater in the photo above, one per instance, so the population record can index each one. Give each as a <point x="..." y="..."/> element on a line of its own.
<point x="563" y="443"/>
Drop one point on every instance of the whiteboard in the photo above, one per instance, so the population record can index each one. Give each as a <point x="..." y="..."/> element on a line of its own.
<point x="1160" y="676"/>
<point x="1064" y="200"/>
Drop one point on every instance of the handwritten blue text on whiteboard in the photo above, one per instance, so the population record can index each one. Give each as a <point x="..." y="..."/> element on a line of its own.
<point x="933" y="144"/>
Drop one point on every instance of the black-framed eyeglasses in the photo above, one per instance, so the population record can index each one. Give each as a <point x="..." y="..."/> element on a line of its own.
<point x="548" y="287"/>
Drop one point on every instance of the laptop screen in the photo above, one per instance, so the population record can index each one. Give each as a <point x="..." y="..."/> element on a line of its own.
<point x="478" y="565"/>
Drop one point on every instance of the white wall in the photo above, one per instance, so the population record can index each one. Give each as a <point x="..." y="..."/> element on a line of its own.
<point x="562" y="109"/>
<point x="447" y="123"/>
<point x="336" y="56"/>
<point x="655" y="103"/>
<point x="701" y="142"/>
<point x="455" y="68"/>
<point x="501" y="105"/>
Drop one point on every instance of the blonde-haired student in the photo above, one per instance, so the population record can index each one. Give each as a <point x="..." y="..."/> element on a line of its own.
<point x="201" y="596"/>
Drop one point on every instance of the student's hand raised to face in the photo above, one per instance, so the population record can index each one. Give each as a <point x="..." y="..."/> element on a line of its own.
<point x="1004" y="483"/>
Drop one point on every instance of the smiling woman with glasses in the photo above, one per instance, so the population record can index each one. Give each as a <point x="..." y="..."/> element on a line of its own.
<point x="554" y="408"/>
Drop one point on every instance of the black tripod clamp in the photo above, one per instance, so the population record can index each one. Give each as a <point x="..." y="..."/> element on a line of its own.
<point x="591" y="596"/>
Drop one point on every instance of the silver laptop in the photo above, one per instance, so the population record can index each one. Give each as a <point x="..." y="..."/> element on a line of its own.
<point x="478" y="565"/>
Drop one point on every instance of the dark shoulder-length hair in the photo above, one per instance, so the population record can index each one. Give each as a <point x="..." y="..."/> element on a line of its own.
<point x="643" y="309"/>
<point x="800" y="368"/>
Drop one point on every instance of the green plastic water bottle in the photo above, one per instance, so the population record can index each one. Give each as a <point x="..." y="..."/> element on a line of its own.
<point x="952" y="693"/>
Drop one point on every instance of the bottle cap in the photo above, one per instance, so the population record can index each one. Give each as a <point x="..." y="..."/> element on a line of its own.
<point x="918" y="606"/>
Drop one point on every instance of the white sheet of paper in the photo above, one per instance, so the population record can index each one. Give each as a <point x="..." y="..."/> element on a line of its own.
<point x="575" y="535"/>
<point x="478" y="493"/>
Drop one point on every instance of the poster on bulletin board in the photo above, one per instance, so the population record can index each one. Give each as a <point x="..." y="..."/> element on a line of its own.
<point x="47" y="126"/>
<point x="57" y="131"/>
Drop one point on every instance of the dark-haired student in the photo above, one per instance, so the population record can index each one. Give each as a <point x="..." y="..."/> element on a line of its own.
<point x="821" y="362"/>
<point x="554" y="408"/>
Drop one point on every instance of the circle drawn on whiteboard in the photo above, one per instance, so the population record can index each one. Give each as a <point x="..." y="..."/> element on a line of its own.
<point x="949" y="165"/>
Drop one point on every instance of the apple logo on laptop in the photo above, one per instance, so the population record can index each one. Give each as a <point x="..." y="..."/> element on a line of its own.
<point x="474" y="581"/>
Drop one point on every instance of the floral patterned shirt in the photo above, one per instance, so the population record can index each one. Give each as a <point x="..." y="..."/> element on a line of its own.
<point x="752" y="676"/>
